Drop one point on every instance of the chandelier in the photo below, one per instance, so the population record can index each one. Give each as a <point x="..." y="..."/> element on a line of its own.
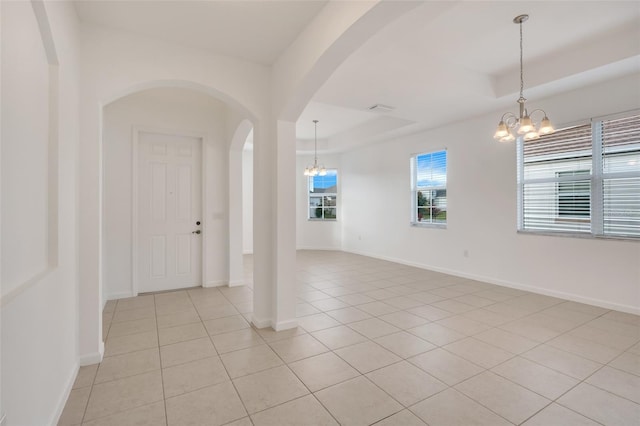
<point x="315" y="170"/>
<point x="523" y="125"/>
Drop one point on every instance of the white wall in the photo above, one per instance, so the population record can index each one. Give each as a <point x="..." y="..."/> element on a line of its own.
<point x="316" y="234"/>
<point x="310" y="235"/>
<point x="114" y="64"/>
<point x="481" y="194"/>
<point x="164" y="109"/>
<point x="26" y="123"/>
<point x="247" y="201"/>
<point x="39" y="314"/>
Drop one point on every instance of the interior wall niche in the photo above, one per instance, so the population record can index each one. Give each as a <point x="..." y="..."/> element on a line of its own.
<point x="29" y="167"/>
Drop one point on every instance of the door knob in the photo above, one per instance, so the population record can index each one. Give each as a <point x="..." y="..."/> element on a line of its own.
<point x="196" y="232"/>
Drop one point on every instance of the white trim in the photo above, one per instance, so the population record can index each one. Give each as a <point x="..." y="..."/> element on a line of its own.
<point x="218" y="283"/>
<point x="44" y="27"/>
<point x="596" y="182"/>
<point x="236" y="283"/>
<point x="434" y="225"/>
<point x="94" y="357"/>
<point x="203" y="206"/>
<point x="560" y="294"/>
<point x="7" y="298"/>
<point x="247" y="251"/>
<point x="62" y="401"/>
<point x="203" y="139"/>
<point x="116" y="296"/>
<point x="286" y="325"/>
<point x="260" y="323"/>
<point x="134" y="210"/>
<point x="319" y="248"/>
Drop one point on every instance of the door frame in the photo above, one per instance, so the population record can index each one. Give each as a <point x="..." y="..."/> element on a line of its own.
<point x="202" y="137"/>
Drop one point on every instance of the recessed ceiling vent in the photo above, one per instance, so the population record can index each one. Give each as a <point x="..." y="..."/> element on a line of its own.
<point x="381" y="108"/>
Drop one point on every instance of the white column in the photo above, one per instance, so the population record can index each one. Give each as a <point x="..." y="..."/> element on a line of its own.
<point x="236" y="268"/>
<point x="263" y="225"/>
<point x="274" y="225"/>
<point x="285" y="262"/>
<point x="90" y="345"/>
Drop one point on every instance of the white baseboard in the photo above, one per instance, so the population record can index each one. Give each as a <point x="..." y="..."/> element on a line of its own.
<point x="519" y="286"/>
<point x="319" y="248"/>
<point x="210" y="284"/>
<point x="93" y="358"/>
<point x="286" y="325"/>
<point x="247" y="252"/>
<point x="260" y="323"/>
<point x="62" y="401"/>
<point x="120" y="295"/>
<point x="236" y="283"/>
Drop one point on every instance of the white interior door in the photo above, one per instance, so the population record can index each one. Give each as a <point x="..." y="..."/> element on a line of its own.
<point x="169" y="212"/>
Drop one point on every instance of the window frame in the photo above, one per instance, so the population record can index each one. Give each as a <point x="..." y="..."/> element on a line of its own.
<point x="596" y="179"/>
<point x="322" y="196"/>
<point x="415" y="189"/>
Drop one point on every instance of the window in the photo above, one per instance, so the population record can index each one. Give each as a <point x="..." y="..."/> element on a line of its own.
<point x="574" y="197"/>
<point x="429" y="188"/>
<point x="583" y="179"/>
<point x="323" y="192"/>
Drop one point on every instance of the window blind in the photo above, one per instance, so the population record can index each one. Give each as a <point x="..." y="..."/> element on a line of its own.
<point x="556" y="186"/>
<point x="582" y="179"/>
<point x="621" y="176"/>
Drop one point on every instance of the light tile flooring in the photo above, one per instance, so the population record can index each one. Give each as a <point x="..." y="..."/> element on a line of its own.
<point x="378" y="342"/>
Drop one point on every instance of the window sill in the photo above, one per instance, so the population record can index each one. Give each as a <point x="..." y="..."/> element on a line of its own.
<point x="581" y="235"/>
<point x="322" y="220"/>
<point x="428" y="225"/>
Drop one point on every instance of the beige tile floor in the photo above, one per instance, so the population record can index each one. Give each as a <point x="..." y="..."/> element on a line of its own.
<point x="378" y="343"/>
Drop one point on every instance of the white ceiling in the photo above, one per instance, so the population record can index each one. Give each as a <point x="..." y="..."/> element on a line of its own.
<point x="255" y="30"/>
<point x="443" y="62"/>
<point x="447" y="61"/>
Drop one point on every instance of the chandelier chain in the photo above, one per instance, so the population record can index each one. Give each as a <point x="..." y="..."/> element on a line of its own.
<point x="315" y="143"/>
<point x="521" y="66"/>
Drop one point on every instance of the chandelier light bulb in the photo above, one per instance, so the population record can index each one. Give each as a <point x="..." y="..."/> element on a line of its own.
<point x="501" y="131"/>
<point x="508" y="138"/>
<point x="525" y="125"/>
<point x="546" y="127"/>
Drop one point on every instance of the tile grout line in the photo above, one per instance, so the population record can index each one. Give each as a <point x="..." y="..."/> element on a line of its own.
<point x="164" y="399"/>
<point x="515" y="355"/>
<point x="84" y="413"/>
<point x="405" y="284"/>
<point x="223" y="366"/>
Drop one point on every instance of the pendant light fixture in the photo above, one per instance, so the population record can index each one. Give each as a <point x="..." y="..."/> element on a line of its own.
<point x="524" y="124"/>
<point x="315" y="170"/>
